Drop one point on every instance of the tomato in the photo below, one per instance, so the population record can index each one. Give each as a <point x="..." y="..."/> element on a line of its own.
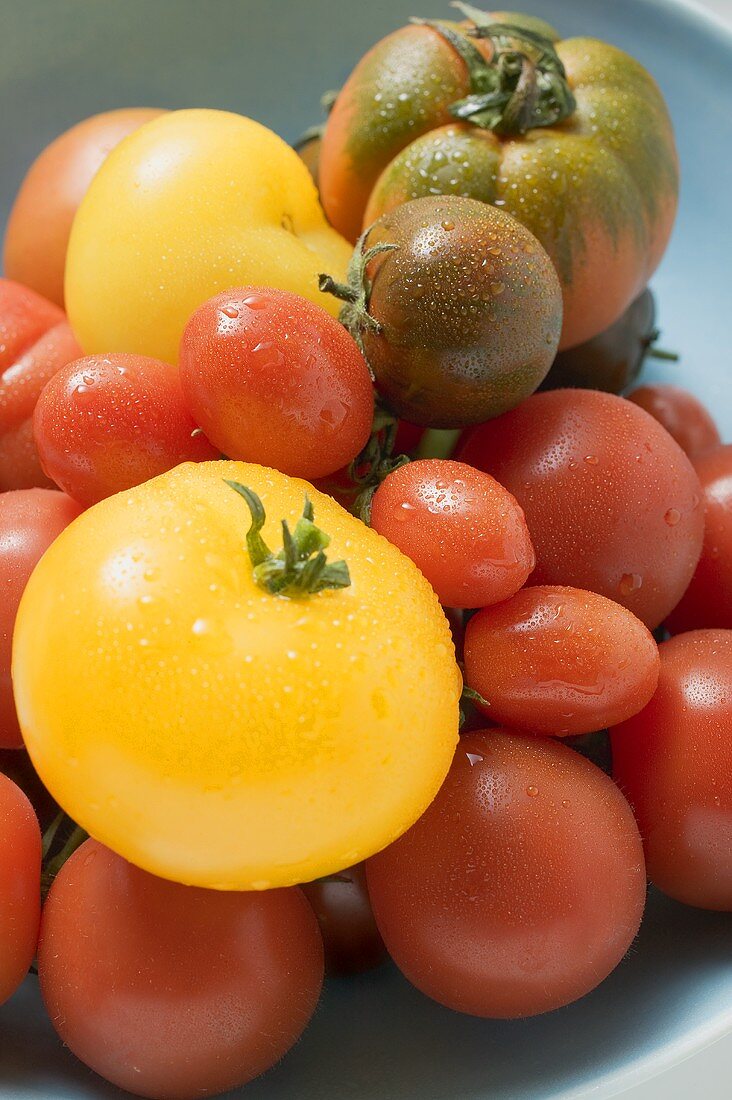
<point x="611" y="501"/>
<point x="308" y="150"/>
<point x="674" y="762"/>
<point x="520" y="888"/>
<point x="191" y="204"/>
<point x="170" y="991"/>
<point x="272" y="378"/>
<point x="35" y="342"/>
<point x="20" y="886"/>
<point x="37" y="234"/>
<point x="223" y="742"/>
<point x="459" y="526"/>
<point x="30" y="519"/>
<point x="459" y="318"/>
<point x="351" y="939"/>
<point x="572" y="137"/>
<point x="107" y="422"/>
<point x="612" y="360"/>
<point x="682" y="415"/>
<point x="707" y="601"/>
<point x="560" y="661"/>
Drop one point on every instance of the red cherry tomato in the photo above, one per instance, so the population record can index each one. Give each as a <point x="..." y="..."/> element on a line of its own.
<point x="30" y="519"/>
<point x="682" y="415"/>
<point x="20" y="886"/>
<point x="674" y="762"/>
<point x="408" y="438"/>
<point x="272" y="378"/>
<point x="520" y="888"/>
<point x="560" y="661"/>
<point x="464" y="531"/>
<point x="351" y="939"/>
<point x="35" y="342"/>
<point x="173" y="991"/>
<point x="708" y="599"/>
<point x="107" y="422"/>
<point x="612" y="502"/>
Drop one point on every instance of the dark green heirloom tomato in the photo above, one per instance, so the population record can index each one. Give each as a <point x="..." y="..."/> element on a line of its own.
<point x="456" y="307"/>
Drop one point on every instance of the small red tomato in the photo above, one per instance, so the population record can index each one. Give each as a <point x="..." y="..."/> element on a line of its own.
<point x="522" y="885"/>
<point x="274" y="379"/>
<point x="707" y="601"/>
<point x="464" y="531"/>
<point x="682" y="415"/>
<point x="173" y="991"/>
<point x="30" y="519"/>
<point x="107" y="422"/>
<point x="35" y="342"/>
<point x="559" y="661"/>
<point x="351" y="939"/>
<point x="612" y="502"/>
<point x="674" y="762"/>
<point x="20" y="886"/>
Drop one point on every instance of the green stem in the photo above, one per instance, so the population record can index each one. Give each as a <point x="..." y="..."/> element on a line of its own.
<point x="662" y="353"/>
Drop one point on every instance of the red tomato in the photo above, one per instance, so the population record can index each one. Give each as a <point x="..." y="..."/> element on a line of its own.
<point x="560" y="661"/>
<point x="272" y="378"/>
<point x="107" y="422"/>
<point x="408" y="437"/>
<point x="611" y="500"/>
<point x="40" y="221"/>
<point x="682" y="415"/>
<point x="708" y="599"/>
<point x="674" y="762"/>
<point x="351" y="939"/>
<point x="464" y="531"/>
<point x="30" y="519"/>
<point x="520" y="888"/>
<point x="20" y="886"/>
<point x="35" y="342"/>
<point x="173" y="991"/>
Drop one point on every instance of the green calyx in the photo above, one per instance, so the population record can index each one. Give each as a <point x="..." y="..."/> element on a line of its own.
<point x="522" y="86"/>
<point x="356" y="291"/>
<point x="301" y="567"/>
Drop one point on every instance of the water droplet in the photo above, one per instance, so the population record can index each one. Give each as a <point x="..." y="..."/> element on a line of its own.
<point x="672" y="517"/>
<point x="497" y="288"/>
<point x="591" y="460"/>
<point x="448" y="226"/>
<point x="532" y="791"/>
<point x="230" y="311"/>
<point x="474" y="758"/>
<point x="629" y="583"/>
<point x="255" y="302"/>
<point x="200" y="626"/>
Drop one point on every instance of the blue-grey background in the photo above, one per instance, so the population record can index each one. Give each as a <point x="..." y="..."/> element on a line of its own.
<point x="375" y="1038"/>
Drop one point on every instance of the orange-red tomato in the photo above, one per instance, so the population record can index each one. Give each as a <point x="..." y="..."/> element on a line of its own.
<point x="40" y="221"/>
<point x="350" y="937"/>
<point x="522" y="885"/>
<point x="682" y="415"/>
<point x="612" y="502"/>
<point x="107" y="422"/>
<point x="35" y="342"/>
<point x="20" y="886"/>
<point x="674" y="761"/>
<point x="462" y="529"/>
<point x="170" y="991"/>
<point x="707" y="601"/>
<point x="560" y="661"/>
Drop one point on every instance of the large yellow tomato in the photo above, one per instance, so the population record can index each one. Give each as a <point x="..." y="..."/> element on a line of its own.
<point x="193" y="203"/>
<point x="208" y="730"/>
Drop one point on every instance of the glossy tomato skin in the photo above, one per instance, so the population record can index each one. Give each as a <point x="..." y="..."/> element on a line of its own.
<point x="673" y="760"/>
<point x="35" y="342"/>
<point x="462" y="529"/>
<point x="38" y="229"/>
<point x="559" y="661"/>
<point x="272" y="378"/>
<point x="20" y="886"/>
<point x="612" y="503"/>
<point x="107" y="422"/>
<point x="468" y="308"/>
<point x="351" y="939"/>
<point x="30" y="519"/>
<point x="707" y="602"/>
<point x="169" y="991"/>
<point x="682" y="415"/>
<point x="520" y="888"/>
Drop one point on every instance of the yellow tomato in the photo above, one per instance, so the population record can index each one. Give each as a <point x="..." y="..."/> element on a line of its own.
<point x="214" y="733"/>
<point x="193" y="203"/>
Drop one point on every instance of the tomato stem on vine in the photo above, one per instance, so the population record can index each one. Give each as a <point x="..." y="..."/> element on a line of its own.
<point x="301" y="567"/>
